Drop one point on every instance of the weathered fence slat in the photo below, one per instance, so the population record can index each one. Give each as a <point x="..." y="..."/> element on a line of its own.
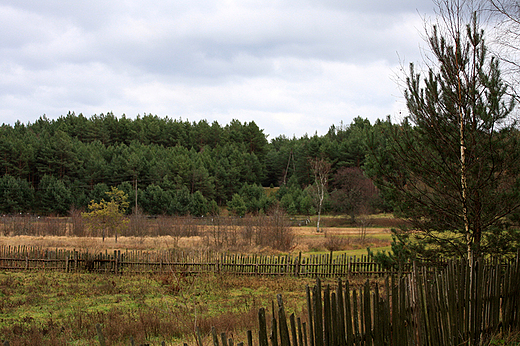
<point x="31" y="258"/>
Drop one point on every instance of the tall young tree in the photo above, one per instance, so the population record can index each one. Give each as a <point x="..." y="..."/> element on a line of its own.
<point x="457" y="151"/>
<point x="321" y="170"/>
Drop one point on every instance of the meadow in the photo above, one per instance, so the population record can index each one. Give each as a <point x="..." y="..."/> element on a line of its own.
<point x="55" y="308"/>
<point x="50" y="308"/>
<point x="337" y="234"/>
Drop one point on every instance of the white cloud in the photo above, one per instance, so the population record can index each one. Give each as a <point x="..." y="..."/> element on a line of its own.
<point x="293" y="67"/>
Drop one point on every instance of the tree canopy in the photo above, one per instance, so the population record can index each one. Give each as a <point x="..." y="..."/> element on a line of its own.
<point x="169" y="166"/>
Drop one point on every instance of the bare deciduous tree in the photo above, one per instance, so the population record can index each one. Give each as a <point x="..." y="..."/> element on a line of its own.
<point x="321" y="170"/>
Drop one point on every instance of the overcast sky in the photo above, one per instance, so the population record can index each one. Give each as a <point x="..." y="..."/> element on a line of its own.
<point x="292" y="66"/>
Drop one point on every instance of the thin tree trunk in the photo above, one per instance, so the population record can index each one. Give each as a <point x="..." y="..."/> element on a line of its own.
<point x="464" y="186"/>
<point x="464" y="183"/>
<point x="320" y="204"/>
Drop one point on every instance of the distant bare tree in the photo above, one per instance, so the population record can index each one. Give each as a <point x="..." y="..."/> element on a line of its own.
<point x="137" y="225"/>
<point x="364" y="222"/>
<point x="335" y="242"/>
<point x="321" y="170"/>
<point x="249" y="225"/>
<point x="53" y="226"/>
<point x="218" y="231"/>
<point x="274" y="230"/>
<point x="18" y="225"/>
<point x="352" y="192"/>
<point x="77" y="223"/>
<point x="507" y="37"/>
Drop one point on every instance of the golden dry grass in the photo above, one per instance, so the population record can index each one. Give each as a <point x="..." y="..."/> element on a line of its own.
<point x="158" y="234"/>
<point x="97" y="243"/>
<point x="306" y="239"/>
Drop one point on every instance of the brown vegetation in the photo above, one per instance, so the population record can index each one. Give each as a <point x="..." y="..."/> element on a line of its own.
<point x="253" y="234"/>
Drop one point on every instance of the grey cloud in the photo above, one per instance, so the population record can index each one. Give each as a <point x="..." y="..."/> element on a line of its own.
<point x="267" y="59"/>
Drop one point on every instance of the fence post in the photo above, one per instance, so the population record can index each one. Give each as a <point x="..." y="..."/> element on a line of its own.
<point x="249" y="338"/>
<point x="367" y="306"/>
<point x="300" y="333"/>
<point x="299" y="260"/>
<point x="340" y="331"/>
<point x="349" y="330"/>
<point x="327" y="332"/>
<point x="223" y="337"/>
<point x="214" y="335"/>
<point x="274" y="328"/>
<point x="282" y="323"/>
<point x="118" y="261"/>
<point x="310" y="312"/>
<point x="262" y="328"/>
<point x="292" y="320"/>
<point x="318" y="314"/>
<point x="101" y="337"/>
<point x="199" y="339"/>
<point x="330" y="263"/>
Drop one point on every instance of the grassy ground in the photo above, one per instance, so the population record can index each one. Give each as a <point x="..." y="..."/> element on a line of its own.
<point x="46" y="308"/>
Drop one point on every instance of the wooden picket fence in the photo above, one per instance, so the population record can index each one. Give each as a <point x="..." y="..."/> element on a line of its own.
<point x="119" y="262"/>
<point x="448" y="304"/>
<point x="457" y="305"/>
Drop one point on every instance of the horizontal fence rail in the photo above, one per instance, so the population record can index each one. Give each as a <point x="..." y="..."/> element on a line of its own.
<point x="119" y="262"/>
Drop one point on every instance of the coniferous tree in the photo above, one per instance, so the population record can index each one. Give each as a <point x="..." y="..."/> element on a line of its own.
<point x="457" y="153"/>
<point x="237" y="205"/>
<point x="53" y="196"/>
<point x="16" y="195"/>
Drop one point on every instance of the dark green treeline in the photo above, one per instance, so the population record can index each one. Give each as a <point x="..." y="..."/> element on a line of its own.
<point x="178" y="167"/>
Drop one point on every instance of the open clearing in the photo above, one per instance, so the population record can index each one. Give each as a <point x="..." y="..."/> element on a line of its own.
<point x="63" y="308"/>
<point x="306" y="241"/>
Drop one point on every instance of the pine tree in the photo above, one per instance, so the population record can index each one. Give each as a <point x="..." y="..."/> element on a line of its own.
<point x="457" y="152"/>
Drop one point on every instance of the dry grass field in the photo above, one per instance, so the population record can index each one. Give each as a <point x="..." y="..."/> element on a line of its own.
<point x="306" y="240"/>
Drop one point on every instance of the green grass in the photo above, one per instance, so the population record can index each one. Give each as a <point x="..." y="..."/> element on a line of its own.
<point x="63" y="309"/>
